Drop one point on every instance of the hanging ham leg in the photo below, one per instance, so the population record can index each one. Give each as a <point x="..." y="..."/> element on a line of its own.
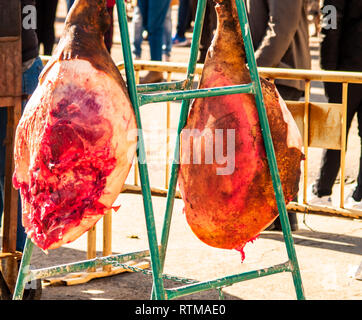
<point x="75" y="141"/>
<point x="224" y="174"/>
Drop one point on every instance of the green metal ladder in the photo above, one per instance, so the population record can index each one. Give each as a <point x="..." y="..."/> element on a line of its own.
<point x="179" y="90"/>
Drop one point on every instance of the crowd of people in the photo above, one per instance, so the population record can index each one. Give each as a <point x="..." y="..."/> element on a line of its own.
<point x="280" y="33"/>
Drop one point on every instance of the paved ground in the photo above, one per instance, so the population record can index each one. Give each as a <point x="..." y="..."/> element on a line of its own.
<point x="328" y="248"/>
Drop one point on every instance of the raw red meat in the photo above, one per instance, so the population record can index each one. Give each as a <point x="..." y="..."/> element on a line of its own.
<point x="224" y="176"/>
<point x="75" y="141"/>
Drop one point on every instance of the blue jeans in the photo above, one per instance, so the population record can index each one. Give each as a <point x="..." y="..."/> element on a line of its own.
<point x="153" y="17"/>
<point x="29" y="83"/>
<point x="69" y="4"/>
<point x="138" y="28"/>
<point x="137" y="31"/>
<point x="167" y="33"/>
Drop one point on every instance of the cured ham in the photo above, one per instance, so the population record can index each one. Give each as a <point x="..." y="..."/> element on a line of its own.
<point x="73" y="147"/>
<point x="224" y="175"/>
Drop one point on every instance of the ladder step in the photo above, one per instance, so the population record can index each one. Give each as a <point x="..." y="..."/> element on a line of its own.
<point x="197" y="93"/>
<point x="227" y="281"/>
<point x="86" y="264"/>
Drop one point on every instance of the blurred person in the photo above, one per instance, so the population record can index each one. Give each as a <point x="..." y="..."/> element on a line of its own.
<point x="46" y="11"/>
<point x="280" y="36"/>
<point x="137" y="34"/>
<point x="153" y="18"/>
<point x="341" y="50"/>
<point x="167" y="35"/>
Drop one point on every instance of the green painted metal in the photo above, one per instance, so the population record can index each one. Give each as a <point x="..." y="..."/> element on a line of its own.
<point x="86" y="264"/>
<point x="221" y="294"/>
<point x="226" y="281"/>
<point x="141" y="153"/>
<point x="164" y="86"/>
<point x="185" y="105"/>
<point x="198" y="93"/>
<point x="268" y="142"/>
<point x="23" y="275"/>
<point x="185" y="93"/>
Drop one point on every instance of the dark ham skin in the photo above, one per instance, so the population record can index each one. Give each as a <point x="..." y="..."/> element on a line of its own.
<point x="75" y="142"/>
<point x="228" y="210"/>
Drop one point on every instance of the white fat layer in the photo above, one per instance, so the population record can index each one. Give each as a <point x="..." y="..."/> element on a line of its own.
<point x="115" y="107"/>
<point x="118" y="110"/>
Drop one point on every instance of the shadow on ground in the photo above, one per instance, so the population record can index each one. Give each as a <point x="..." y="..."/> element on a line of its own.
<point x="125" y="286"/>
<point x="331" y="241"/>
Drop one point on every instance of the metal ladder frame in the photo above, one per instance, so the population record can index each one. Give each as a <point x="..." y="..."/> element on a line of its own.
<point x="180" y="90"/>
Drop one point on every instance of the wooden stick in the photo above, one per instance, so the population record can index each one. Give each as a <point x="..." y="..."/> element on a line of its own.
<point x="343" y="139"/>
<point x="168" y="121"/>
<point x="11" y="196"/>
<point x="91" y="243"/>
<point x="107" y="238"/>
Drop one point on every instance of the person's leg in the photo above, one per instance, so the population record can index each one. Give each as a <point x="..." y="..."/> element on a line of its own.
<point x="330" y="162"/>
<point x="155" y="25"/>
<point x="330" y="158"/>
<point x="137" y="24"/>
<point x="289" y="93"/>
<point x="192" y="13"/>
<point x="182" y="18"/>
<point x="328" y="172"/>
<point x="357" y="193"/>
<point x="40" y="18"/>
<point x="108" y="36"/>
<point x="355" y="97"/>
<point x="30" y="78"/>
<point x="50" y="8"/>
<point x="143" y="7"/>
<point x="167" y="35"/>
<point x="207" y="30"/>
<point x="155" y="17"/>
